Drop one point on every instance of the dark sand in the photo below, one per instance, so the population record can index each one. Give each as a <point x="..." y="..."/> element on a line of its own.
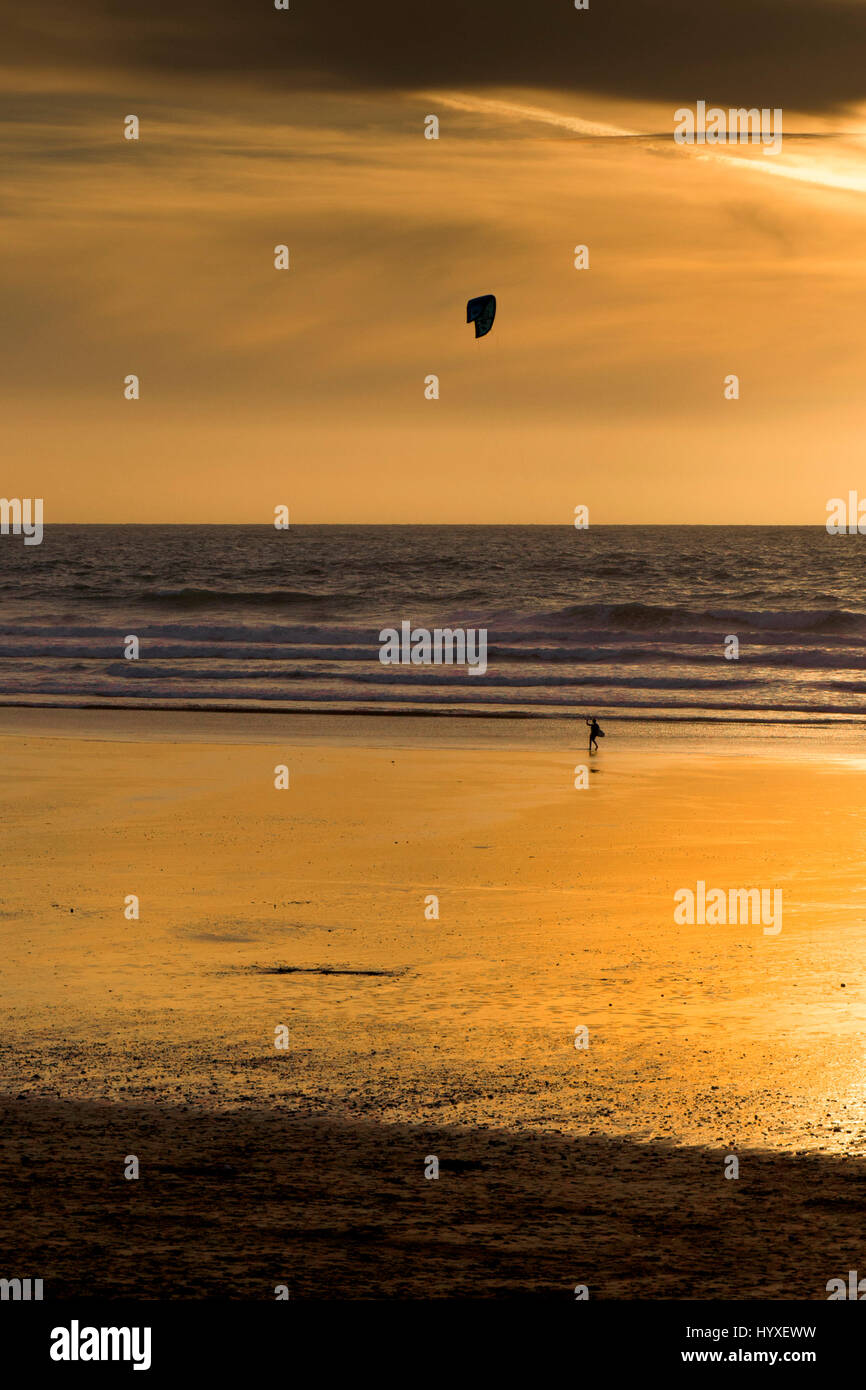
<point x="230" y="1205"/>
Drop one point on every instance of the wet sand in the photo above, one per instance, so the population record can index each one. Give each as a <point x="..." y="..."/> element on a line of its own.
<point x="406" y="1036"/>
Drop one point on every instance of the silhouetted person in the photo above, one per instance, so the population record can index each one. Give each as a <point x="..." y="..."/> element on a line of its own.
<point x="594" y="730"/>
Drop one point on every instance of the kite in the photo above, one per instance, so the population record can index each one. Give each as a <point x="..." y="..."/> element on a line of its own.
<point x="481" y="312"/>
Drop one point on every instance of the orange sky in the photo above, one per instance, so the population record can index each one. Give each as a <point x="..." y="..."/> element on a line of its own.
<point x="306" y="386"/>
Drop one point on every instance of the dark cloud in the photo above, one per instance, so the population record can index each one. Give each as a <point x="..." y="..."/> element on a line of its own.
<point x="806" y="54"/>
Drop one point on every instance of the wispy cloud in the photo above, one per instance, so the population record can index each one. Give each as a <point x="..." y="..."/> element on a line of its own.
<point x="843" y="169"/>
<point x="510" y="110"/>
<point x="840" y="167"/>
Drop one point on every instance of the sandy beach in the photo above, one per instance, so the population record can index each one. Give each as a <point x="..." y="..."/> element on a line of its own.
<point x="410" y="1035"/>
<point x="390" y="399"/>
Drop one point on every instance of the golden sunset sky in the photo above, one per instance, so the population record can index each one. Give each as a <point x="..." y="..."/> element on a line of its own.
<point x="306" y="387"/>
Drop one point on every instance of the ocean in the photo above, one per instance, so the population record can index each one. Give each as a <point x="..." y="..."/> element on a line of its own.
<point x="623" y="621"/>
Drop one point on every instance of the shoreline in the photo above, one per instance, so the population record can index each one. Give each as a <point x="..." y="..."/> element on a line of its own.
<point x="799" y="719"/>
<point x="567" y="732"/>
